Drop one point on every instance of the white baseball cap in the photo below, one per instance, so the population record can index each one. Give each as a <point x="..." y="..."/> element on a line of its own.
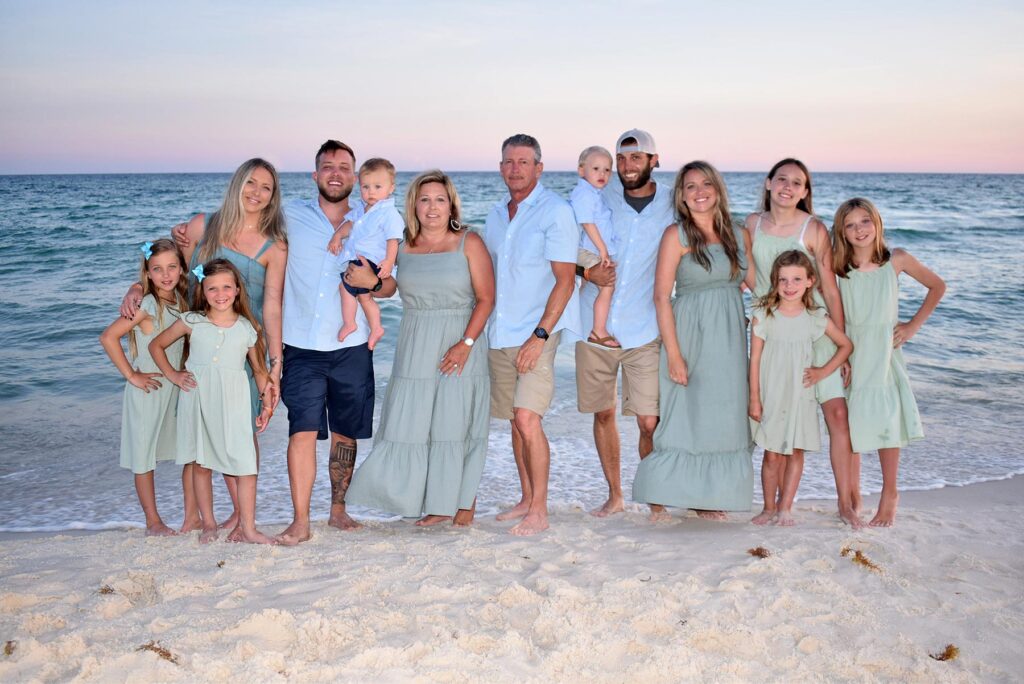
<point x="644" y="142"/>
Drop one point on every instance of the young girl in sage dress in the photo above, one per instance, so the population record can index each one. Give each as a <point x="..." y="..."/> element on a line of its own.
<point x="148" y="417"/>
<point x="214" y="415"/>
<point x="883" y="412"/>
<point x="786" y="323"/>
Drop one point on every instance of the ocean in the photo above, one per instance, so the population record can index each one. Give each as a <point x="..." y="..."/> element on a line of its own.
<point x="69" y="248"/>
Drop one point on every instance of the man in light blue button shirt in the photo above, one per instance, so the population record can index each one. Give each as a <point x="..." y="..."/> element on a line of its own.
<point x="641" y="210"/>
<point x="533" y="240"/>
<point x="322" y="376"/>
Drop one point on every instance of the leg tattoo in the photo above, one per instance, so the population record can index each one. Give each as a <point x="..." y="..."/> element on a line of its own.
<point x="340" y="466"/>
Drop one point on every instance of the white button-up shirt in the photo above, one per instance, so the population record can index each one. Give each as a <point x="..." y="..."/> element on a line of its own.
<point x="543" y="230"/>
<point x="312" y="304"/>
<point x="632" y="318"/>
<point x="372" y="229"/>
<point x="589" y="206"/>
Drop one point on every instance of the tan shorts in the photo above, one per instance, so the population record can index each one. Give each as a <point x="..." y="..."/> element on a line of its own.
<point x="533" y="390"/>
<point x="596" y="371"/>
<point x="586" y="258"/>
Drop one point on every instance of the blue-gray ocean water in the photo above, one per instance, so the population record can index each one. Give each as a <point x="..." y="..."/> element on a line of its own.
<point x="69" y="247"/>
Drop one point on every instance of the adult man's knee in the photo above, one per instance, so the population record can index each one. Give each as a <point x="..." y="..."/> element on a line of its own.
<point x="604" y="417"/>
<point x="526" y="421"/>
<point x="647" y="424"/>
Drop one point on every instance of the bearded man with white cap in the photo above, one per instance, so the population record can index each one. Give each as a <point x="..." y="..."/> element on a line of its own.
<point x="641" y="210"/>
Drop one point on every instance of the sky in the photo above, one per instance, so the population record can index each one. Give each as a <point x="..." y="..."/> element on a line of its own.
<point x="107" y="86"/>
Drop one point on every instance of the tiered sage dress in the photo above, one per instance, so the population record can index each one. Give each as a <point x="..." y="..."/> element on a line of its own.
<point x="429" y="449"/>
<point x="702" y="447"/>
<point x="883" y="411"/>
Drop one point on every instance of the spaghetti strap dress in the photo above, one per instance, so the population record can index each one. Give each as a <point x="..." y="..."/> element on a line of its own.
<point x="765" y="249"/>
<point x="430" y="445"/>
<point x="882" y="409"/>
<point x="702" y="447"/>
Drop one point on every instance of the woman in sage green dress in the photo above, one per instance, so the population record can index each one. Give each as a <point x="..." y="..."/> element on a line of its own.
<point x="429" y="448"/>
<point x="702" y="447"/>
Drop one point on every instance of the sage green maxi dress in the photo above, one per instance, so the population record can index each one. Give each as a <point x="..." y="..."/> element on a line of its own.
<point x="702" y="447"/>
<point x="429" y="449"/>
<point x="883" y="411"/>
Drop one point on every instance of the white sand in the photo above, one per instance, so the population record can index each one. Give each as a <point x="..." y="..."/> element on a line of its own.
<point x="592" y="600"/>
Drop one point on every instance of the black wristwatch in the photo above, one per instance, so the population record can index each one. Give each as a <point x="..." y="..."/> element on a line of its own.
<point x="541" y="333"/>
<point x="380" y="284"/>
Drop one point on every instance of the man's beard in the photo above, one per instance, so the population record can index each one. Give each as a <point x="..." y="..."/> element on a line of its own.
<point x="643" y="179"/>
<point x="341" y="194"/>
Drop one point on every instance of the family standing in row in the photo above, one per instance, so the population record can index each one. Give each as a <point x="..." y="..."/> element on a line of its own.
<point x="483" y="315"/>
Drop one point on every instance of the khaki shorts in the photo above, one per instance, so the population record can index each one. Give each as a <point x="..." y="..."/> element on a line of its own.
<point x="533" y="390"/>
<point x="586" y="258"/>
<point x="596" y="371"/>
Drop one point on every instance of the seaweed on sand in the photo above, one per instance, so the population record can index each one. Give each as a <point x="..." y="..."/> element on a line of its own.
<point x="860" y="559"/>
<point x="160" y="651"/>
<point x="759" y="551"/>
<point x="951" y="652"/>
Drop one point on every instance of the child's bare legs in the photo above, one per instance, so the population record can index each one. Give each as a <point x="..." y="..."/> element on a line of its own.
<point x="231" y="484"/>
<point x="236" y="531"/>
<point x="772" y="466"/>
<point x="247" y="531"/>
<point x="193" y="520"/>
<point x="348" y="314"/>
<point x="885" y="516"/>
<point x="202" y="481"/>
<point x="794" y="470"/>
<point x="372" y="312"/>
<point x="841" y="455"/>
<point x="146" y="490"/>
<point x="602" y="305"/>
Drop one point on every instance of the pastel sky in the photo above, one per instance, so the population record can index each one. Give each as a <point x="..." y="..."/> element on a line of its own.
<point x="110" y="86"/>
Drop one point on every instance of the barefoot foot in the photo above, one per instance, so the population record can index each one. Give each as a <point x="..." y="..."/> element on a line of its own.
<point x="191" y="524"/>
<point x="711" y="515"/>
<point x="208" y="535"/>
<point x="431" y="520"/>
<point x="532" y="523"/>
<point x="294" y="534"/>
<point x="464" y="517"/>
<point x="375" y="336"/>
<point x="851" y="518"/>
<point x="231" y="522"/>
<point x="659" y="514"/>
<point x="517" y="511"/>
<point x="160" y="530"/>
<point x="234" y="535"/>
<point x="885" y="516"/>
<point x="785" y="519"/>
<point x="252" y="536"/>
<point x="613" y="505"/>
<point x="341" y="520"/>
<point x="764" y="517"/>
<point x="345" y="331"/>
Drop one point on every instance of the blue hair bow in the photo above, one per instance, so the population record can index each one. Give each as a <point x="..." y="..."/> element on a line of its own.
<point x="147" y="249"/>
<point x="199" y="273"/>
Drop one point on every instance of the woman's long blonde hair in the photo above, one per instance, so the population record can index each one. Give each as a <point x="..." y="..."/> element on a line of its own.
<point x="723" y="227"/>
<point x="180" y="290"/>
<point x="223" y="225"/>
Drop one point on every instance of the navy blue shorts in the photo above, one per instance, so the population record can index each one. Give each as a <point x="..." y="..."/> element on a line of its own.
<point x="338" y="383"/>
<point x="356" y="291"/>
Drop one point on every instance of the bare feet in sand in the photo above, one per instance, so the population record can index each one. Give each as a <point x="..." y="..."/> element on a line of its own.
<point x="711" y="515"/>
<point x="785" y="519"/>
<point x="659" y="514"/>
<point x="294" y="535"/>
<point x="342" y="521"/>
<point x="464" y="517"/>
<point x="885" y="516"/>
<point x="231" y="522"/>
<point x="431" y="520"/>
<point x="532" y="523"/>
<point x="851" y="517"/>
<point x="517" y="511"/>
<point x="238" y="535"/>
<point x="375" y="336"/>
<point x="208" y="535"/>
<point x="160" y="530"/>
<point x="234" y="535"/>
<point x="612" y="506"/>
<point x="189" y="525"/>
<point x="764" y="517"/>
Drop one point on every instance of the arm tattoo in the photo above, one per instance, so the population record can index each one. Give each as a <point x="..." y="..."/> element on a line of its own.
<point x="340" y="466"/>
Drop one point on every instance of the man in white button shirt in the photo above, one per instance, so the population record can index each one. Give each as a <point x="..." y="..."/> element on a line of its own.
<point x="641" y="210"/>
<point x="533" y="240"/>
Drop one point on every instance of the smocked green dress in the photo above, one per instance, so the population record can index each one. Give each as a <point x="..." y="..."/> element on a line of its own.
<point x="765" y="249"/>
<point x="430" y="445"/>
<point x="214" y="420"/>
<point x="883" y="411"/>
<point x="789" y="411"/>
<point x="702" y="445"/>
<point x="148" y="419"/>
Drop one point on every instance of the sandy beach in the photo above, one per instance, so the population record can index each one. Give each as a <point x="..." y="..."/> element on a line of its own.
<point x="591" y="600"/>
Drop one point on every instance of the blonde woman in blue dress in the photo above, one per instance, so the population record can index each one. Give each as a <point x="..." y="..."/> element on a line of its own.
<point x="148" y="422"/>
<point x="785" y="325"/>
<point x="883" y="411"/>
<point x="429" y="449"/>
<point x="214" y="420"/>
<point x="786" y="221"/>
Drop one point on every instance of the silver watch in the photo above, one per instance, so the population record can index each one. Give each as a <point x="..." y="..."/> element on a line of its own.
<point x="468" y="341"/>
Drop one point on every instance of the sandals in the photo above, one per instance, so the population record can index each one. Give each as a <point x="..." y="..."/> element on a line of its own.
<point x="604" y="341"/>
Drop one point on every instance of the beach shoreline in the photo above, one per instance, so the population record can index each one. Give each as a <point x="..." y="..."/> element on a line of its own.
<point x="602" y="600"/>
